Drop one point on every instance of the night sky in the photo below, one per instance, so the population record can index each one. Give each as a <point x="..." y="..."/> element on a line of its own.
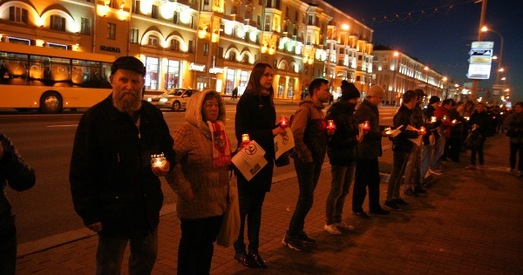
<point x="439" y="33"/>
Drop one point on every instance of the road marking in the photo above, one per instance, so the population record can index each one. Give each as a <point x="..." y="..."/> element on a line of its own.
<point x="62" y="125"/>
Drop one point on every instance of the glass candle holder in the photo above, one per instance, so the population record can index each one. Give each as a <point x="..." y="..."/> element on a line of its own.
<point x="158" y="160"/>
<point x="245" y="139"/>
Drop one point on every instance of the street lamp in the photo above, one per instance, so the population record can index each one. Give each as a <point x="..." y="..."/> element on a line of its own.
<point x="500" y="59"/>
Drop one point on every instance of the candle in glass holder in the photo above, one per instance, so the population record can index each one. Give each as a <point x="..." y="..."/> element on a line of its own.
<point x="433" y="119"/>
<point x="388" y="131"/>
<point x="454" y="121"/>
<point x="466" y="117"/>
<point x="422" y="130"/>
<point x="158" y="160"/>
<point x="331" y="125"/>
<point x="284" y="122"/>
<point x="366" y="125"/>
<point x="245" y="139"/>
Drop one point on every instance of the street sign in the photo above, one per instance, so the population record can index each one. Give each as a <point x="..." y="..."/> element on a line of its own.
<point x="480" y="59"/>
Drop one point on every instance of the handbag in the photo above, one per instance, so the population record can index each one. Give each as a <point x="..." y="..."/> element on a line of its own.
<point x="230" y="228"/>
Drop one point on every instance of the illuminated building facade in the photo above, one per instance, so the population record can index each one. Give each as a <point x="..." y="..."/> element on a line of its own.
<point x="204" y="43"/>
<point x="396" y="72"/>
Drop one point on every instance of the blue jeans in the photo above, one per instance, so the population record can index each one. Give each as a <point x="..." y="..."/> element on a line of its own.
<point x="398" y="170"/>
<point x="426" y="156"/>
<point x="342" y="177"/>
<point x="144" y="251"/>
<point x="412" y="170"/>
<point x="197" y="244"/>
<point x="308" y="175"/>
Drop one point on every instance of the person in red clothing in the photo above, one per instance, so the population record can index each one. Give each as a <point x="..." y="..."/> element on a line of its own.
<point x="442" y="114"/>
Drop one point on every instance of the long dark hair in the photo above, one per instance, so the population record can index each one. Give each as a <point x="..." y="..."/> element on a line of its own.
<point x="253" y="86"/>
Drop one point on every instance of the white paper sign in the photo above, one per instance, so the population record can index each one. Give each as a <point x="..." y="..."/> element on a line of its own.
<point x="282" y="143"/>
<point x="249" y="160"/>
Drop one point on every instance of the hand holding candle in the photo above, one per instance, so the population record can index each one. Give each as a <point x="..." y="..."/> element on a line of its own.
<point x="366" y="125"/>
<point x="158" y="160"/>
<point x="422" y="131"/>
<point x="245" y="140"/>
<point x="284" y="122"/>
<point x="331" y="127"/>
<point x="433" y="119"/>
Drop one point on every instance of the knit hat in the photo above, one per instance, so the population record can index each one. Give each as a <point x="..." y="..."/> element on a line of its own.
<point x="348" y="91"/>
<point x="376" y="91"/>
<point x="434" y="99"/>
<point x="128" y="63"/>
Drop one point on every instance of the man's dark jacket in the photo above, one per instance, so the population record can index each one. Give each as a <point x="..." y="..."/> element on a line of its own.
<point x="401" y="142"/>
<point x="341" y="147"/>
<point x="15" y="173"/>
<point x="110" y="174"/>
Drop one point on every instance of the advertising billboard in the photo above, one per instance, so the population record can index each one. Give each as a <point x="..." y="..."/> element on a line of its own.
<point x="480" y="59"/>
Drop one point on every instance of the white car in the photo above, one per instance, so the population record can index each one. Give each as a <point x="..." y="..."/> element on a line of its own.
<point x="175" y="99"/>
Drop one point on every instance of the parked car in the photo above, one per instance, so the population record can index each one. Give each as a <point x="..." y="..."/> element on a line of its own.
<point x="175" y="99"/>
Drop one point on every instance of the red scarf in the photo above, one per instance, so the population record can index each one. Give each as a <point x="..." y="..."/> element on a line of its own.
<point x="221" y="149"/>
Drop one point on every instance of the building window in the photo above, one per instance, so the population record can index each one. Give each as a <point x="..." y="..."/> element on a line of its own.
<point x="220" y="52"/>
<point x="153" y="41"/>
<point x="172" y="77"/>
<point x="136" y="7"/>
<point x="154" y="12"/>
<point x="86" y="26"/>
<point x="190" y="48"/>
<point x="57" y="23"/>
<point x="134" y="36"/>
<point x="17" y="14"/>
<point x="175" y="45"/>
<point x="205" y="49"/>
<point x="111" y="31"/>
<point x="175" y="18"/>
<point x="151" y="78"/>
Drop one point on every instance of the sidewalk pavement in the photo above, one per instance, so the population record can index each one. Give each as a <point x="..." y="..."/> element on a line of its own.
<point x="469" y="223"/>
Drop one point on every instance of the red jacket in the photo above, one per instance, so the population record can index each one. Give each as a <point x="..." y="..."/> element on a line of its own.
<point x="442" y="114"/>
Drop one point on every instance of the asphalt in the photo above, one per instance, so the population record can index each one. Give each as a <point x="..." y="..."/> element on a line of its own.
<point x="469" y="223"/>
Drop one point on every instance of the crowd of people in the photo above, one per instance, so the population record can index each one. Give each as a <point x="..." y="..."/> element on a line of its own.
<point x="123" y="145"/>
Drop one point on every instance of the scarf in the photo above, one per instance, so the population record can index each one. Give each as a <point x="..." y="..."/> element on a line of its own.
<point x="221" y="149"/>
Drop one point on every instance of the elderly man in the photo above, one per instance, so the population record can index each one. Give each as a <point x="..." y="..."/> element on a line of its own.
<point x="115" y="188"/>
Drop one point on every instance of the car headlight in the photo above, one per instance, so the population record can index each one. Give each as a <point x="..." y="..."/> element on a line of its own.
<point x="163" y="100"/>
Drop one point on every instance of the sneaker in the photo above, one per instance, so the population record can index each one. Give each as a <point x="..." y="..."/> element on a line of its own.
<point x="436" y="172"/>
<point x="294" y="244"/>
<point x="245" y="259"/>
<point x="392" y="205"/>
<point x="400" y="201"/>
<point x="345" y="226"/>
<point x="470" y="167"/>
<point x="332" y="229"/>
<point x="411" y="193"/>
<point x="302" y="236"/>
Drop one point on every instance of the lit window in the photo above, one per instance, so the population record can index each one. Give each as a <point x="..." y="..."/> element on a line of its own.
<point x="86" y="26"/>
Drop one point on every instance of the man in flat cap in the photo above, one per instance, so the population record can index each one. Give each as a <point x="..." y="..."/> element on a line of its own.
<point x="115" y="188"/>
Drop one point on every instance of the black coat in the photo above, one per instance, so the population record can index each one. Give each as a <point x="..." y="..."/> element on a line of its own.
<point x="341" y="147"/>
<point x="370" y="147"/>
<point x="256" y="116"/>
<point x="15" y="173"/>
<point x="401" y="142"/>
<point x="110" y="174"/>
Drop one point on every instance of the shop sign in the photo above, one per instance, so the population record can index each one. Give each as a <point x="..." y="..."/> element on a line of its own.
<point x="196" y="67"/>
<point x="216" y="70"/>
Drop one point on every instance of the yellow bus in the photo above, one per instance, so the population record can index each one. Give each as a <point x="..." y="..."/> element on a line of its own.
<point x="50" y="79"/>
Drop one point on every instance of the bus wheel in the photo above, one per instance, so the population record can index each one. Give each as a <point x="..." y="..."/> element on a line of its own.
<point x="51" y="103"/>
<point x="176" y="106"/>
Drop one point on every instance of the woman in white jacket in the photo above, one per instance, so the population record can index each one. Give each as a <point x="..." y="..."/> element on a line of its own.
<point x="200" y="178"/>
